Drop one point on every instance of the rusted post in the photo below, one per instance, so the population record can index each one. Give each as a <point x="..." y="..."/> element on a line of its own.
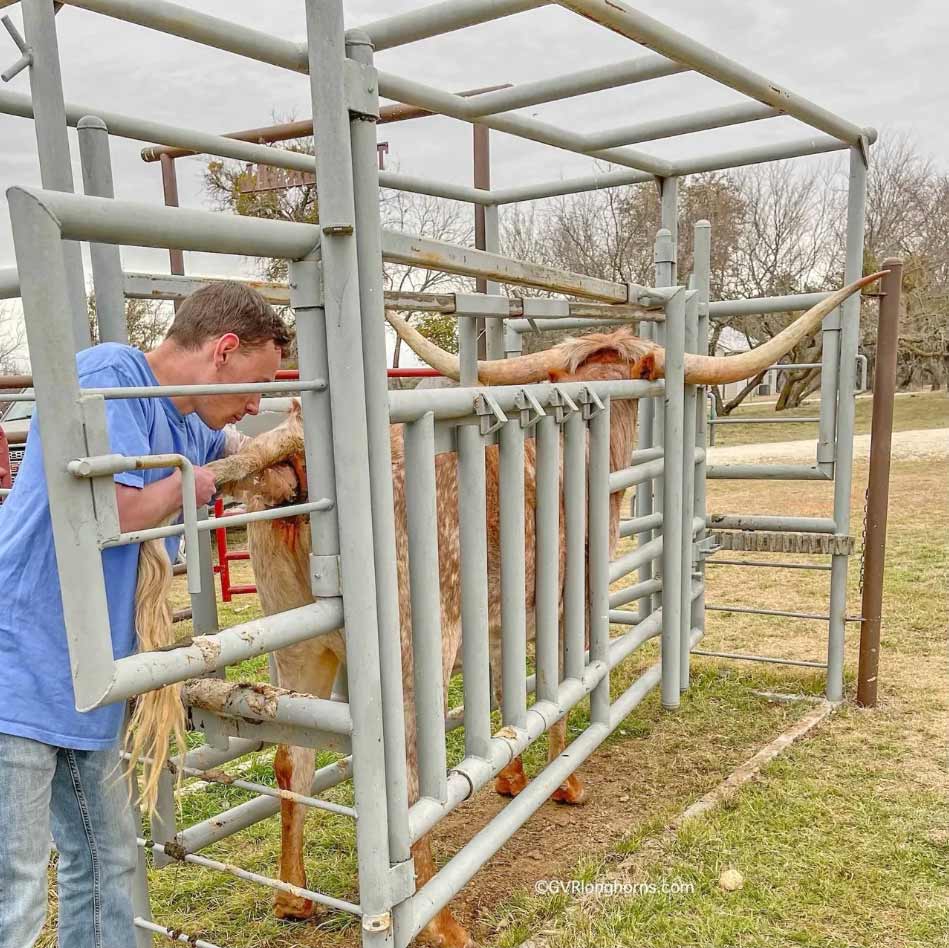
<point x="169" y="184"/>
<point x="878" y="484"/>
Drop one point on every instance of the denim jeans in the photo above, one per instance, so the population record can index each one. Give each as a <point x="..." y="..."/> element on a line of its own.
<point x="82" y="797"/>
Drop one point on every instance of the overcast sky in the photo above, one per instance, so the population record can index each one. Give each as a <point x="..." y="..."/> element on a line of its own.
<point x="875" y="63"/>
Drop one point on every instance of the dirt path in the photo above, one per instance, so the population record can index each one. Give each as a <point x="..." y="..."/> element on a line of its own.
<point x="907" y="446"/>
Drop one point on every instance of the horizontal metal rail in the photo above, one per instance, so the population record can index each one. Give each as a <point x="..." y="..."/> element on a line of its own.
<point x="742" y="657"/>
<point x="194" y="142"/>
<point x="637" y="525"/>
<point x="778" y="612"/>
<point x="456" y="403"/>
<point x="759" y="522"/>
<point x="439" y="18"/>
<point x="145" y="671"/>
<point x="635" y="592"/>
<point x="649" y="32"/>
<point x="757" y="306"/>
<point x="767" y="472"/>
<point x="715" y="561"/>
<point x="763" y="421"/>
<point x="340" y="905"/>
<point x="172" y="934"/>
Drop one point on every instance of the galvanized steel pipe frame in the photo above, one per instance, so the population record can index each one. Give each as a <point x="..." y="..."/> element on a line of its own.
<point x="357" y="451"/>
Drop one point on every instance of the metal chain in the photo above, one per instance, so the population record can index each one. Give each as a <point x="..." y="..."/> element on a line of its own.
<point x="863" y="537"/>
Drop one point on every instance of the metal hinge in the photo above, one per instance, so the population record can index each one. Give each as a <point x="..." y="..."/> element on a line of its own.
<point x="530" y="409"/>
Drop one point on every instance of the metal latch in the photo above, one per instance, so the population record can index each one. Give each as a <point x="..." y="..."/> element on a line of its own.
<point x="562" y="404"/>
<point x="530" y="409"/>
<point x="591" y="402"/>
<point x="487" y="408"/>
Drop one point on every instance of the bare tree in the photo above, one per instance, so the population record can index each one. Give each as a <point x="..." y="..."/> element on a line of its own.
<point x="12" y="341"/>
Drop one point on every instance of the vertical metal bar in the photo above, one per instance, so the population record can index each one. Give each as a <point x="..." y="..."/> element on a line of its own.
<point x="843" y="473"/>
<point x="878" y="483"/>
<point x="486" y="238"/>
<point x="672" y="500"/>
<point x="468" y="351"/>
<point x="45" y="290"/>
<point x="574" y="495"/>
<point x="204" y="615"/>
<point x="421" y="518"/>
<point x="702" y="268"/>
<point x="371" y="311"/>
<point x="472" y="530"/>
<point x="494" y="328"/>
<point x="107" y="276"/>
<point x="690" y="342"/>
<point x="644" y="491"/>
<point x="513" y="607"/>
<point x="547" y="557"/>
<point x="52" y="143"/>
<point x="599" y="546"/>
<point x="348" y="397"/>
<point x="306" y="296"/>
<point x="665" y="261"/>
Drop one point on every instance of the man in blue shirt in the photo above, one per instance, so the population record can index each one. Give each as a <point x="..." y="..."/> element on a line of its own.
<point x="59" y="768"/>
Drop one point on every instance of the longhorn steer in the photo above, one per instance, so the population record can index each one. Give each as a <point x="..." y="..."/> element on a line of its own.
<point x="280" y="550"/>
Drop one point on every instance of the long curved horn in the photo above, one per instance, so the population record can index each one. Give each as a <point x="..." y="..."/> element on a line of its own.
<point x="519" y="370"/>
<point x="718" y="370"/>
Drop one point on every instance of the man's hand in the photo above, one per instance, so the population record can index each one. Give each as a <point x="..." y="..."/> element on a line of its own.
<point x="204" y="484"/>
<point x="142" y="508"/>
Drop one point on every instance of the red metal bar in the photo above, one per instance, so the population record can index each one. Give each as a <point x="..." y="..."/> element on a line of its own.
<point x="291" y="375"/>
<point x="223" y="563"/>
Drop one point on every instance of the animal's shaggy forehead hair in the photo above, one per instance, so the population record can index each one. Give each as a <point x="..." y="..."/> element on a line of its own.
<point x="627" y="346"/>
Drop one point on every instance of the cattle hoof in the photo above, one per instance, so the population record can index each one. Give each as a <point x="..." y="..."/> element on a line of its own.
<point x="444" y="932"/>
<point x="509" y="786"/>
<point x="573" y="794"/>
<point x="293" y="908"/>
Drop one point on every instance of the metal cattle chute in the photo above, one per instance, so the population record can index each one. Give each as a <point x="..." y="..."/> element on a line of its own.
<point x="336" y="290"/>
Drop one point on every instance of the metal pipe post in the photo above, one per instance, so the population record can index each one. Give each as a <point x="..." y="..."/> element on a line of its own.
<point x="421" y="518"/>
<point x="348" y="398"/>
<point x="472" y="531"/>
<point x="574" y="495"/>
<point x="691" y="333"/>
<point x="599" y="556"/>
<point x="52" y="142"/>
<point x="878" y="484"/>
<point x="513" y="582"/>
<point x="547" y="557"/>
<point x="372" y="316"/>
<point x="490" y="331"/>
<point x="107" y="278"/>
<point x="843" y="474"/>
<point x="673" y="536"/>
<point x="701" y="268"/>
<point x="644" y="490"/>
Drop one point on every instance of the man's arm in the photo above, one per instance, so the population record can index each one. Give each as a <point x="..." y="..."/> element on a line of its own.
<point x="143" y="507"/>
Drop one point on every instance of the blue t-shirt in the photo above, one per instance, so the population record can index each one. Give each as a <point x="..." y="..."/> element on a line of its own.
<point x="36" y="690"/>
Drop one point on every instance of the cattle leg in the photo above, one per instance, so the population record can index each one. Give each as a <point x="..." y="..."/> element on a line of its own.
<point x="571" y="790"/>
<point x="299" y="669"/>
<point x="443" y="931"/>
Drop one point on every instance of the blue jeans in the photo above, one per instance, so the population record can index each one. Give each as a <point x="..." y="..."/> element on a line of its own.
<point x="82" y="797"/>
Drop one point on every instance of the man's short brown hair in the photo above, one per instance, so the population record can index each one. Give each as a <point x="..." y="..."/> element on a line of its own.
<point x="228" y="307"/>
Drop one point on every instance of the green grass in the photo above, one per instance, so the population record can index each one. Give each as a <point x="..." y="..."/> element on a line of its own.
<point x="843" y="841"/>
<point x="912" y="410"/>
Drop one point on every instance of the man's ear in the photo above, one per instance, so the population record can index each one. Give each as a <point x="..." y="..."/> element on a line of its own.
<point x="225" y="347"/>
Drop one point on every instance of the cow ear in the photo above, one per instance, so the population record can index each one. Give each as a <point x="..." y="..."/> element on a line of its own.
<point x="294" y="407"/>
<point x="556" y="375"/>
<point x="643" y="368"/>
